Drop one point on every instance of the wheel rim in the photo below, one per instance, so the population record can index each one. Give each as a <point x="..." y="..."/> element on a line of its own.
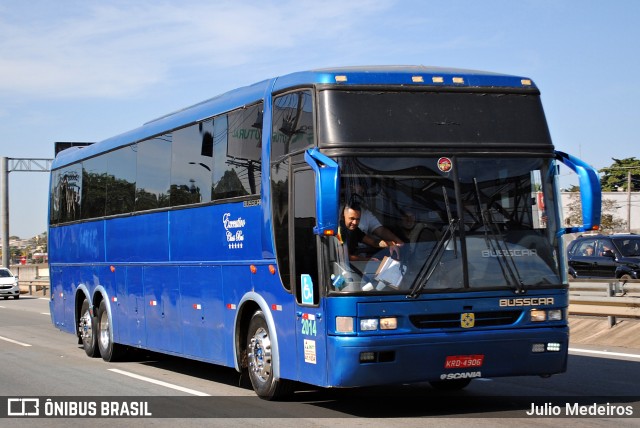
<point x="260" y="355"/>
<point x="85" y="328"/>
<point x="104" y="331"/>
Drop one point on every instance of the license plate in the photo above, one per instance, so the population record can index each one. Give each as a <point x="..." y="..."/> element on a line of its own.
<point x="463" y="361"/>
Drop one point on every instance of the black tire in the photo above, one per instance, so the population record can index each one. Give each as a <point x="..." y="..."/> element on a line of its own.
<point x="87" y="330"/>
<point x="16" y="297"/>
<point x="109" y="350"/>
<point x="261" y="361"/>
<point x="450" y="385"/>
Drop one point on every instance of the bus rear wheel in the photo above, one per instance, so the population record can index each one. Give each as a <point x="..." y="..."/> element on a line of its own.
<point x="261" y="361"/>
<point x="109" y="350"/>
<point x="87" y="330"/>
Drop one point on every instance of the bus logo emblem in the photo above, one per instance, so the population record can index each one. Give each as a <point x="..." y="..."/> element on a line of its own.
<point x="467" y="320"/>
<point x="445" y="164"/>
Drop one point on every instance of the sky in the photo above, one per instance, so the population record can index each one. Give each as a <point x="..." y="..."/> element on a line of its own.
<point x="88" y="70"/>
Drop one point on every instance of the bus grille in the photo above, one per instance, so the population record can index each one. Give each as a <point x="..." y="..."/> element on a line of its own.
<point x="482" y="319"/>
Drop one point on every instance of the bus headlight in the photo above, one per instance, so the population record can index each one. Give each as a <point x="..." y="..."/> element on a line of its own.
<point x="369" y="324"/>
<point x="554" y="315"/>
<point x="539" y="315"/>
<point x="372" y="324"/>
<point x="389" y="323"/>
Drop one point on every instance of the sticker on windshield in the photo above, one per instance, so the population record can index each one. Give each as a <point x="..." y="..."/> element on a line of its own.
<point x="445" y="164"/>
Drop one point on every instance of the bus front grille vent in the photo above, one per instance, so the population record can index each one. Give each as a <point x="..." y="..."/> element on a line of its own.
<point x="450" y="321"/>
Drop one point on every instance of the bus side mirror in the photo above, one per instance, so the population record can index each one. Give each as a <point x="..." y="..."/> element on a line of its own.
<point x="326" y="180"/>
<point x="590" y="193"/>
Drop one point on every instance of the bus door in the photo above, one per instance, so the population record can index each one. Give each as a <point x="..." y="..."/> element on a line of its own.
<point x="310" y="317"/>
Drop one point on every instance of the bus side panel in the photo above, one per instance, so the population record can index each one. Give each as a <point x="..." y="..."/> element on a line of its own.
<point x="162" y="296"/>
<point x="202" y="308"/>
<point x="138" y="239"/>
<point x="136" y="307"/>
<point x="127" y="311"/>
<point x="61" y="304"/>
<point x="216" y="232"/>
<point x="78" y="243"/>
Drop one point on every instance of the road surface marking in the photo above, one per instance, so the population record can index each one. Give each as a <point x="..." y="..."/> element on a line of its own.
<point x="604" y="353"/>
<point x="6" y="339"/>
<point x="161" y="383"/>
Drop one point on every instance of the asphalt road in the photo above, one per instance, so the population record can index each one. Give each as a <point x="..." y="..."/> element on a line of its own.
<point x="39" y="361"/>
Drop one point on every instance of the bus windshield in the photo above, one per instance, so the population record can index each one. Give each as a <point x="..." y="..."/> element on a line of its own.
<point x="466" y="223"/>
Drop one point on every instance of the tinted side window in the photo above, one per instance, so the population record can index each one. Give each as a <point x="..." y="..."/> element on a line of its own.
<point x="94" y="189"/>
<point x="292" y="123"/>
<point x="68" y="193"/>
<point x="191" y="165"/>
<point x="236" y="151"/>
<point x="121" y="180"/>
<point x="154" y="170"/>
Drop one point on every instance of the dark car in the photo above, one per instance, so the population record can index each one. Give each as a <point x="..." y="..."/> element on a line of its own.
<point x="600" y="256"/>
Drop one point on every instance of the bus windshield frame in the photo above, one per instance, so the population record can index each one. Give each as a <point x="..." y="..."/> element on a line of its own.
<point x="466" y="224"/>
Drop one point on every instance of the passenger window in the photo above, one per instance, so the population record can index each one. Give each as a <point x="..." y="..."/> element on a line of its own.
<point x="237" y="145"/>
<point x="154" y="169"/>
<point x="191" y="164"/>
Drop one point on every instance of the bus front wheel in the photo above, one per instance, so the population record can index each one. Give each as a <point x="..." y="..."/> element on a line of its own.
<point x="87" y="330"/>
<point x="261" y="361"/>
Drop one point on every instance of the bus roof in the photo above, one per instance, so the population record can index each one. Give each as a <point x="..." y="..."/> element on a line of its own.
<point x="339" y="76"/>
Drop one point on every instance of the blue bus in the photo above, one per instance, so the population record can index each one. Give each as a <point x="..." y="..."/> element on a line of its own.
<point x="218" y="232"/>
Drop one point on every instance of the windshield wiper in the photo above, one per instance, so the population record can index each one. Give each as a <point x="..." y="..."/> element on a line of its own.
<point x="429" y="265"/>
<point x="496" y="244"/>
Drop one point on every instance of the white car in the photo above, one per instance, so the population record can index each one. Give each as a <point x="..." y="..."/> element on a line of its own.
<point x="8" y="284"/>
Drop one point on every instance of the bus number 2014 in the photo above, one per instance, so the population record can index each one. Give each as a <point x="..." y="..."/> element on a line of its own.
<point x="309" y="327"/>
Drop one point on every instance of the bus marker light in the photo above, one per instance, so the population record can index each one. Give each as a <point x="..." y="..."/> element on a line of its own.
<point x="341" y="78"/>
<point x="272" y="269"/>
<point x="458" y="80"/>
<point x="253" y="268"/>
<point x="417" y="79"/>
<point x="112" y="268"/>
<point x="231" y="306"/>
<point x="526" y="82"/>
<point x="114" y="299"/>
<point x="153" y="303"/>
<point x="437" y="79"/>
<point x="197" y="306"/>
<point x="276" y="307"/>
<point x="344" y="324"/>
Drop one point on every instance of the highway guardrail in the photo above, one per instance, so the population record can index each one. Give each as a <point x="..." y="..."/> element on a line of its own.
<point x="605" y="297"/>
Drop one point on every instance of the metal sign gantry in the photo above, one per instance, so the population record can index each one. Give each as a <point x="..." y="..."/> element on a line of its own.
<point x="8" y="165"/>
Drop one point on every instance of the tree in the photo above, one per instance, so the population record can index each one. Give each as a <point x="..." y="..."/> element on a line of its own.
<point x="616" y="176"/>
<point x="608" y="223"/>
